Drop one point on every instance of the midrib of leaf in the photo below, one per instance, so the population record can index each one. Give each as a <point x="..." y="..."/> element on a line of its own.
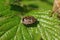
<point x="25" y="33"/>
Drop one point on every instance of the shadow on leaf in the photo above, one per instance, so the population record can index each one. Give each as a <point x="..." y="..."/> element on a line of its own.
<point x="41" y="39"/>
<point x="23" y="9"/>
<point x="16" y="8"/>
<point x="33" y="6"/>
<point x="32" y="25"/>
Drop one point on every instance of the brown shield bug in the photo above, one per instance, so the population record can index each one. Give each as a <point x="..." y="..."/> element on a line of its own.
<point x="27" y="20"/>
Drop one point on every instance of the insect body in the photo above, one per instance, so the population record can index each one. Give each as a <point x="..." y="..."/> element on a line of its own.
<point x="28" y="20"/>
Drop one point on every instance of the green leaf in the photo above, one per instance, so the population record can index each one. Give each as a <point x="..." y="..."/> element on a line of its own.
<point x="11" y="27"/>
<point x="47" y="28"/>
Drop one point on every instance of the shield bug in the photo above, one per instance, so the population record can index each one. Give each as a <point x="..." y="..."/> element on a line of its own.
<point x="28" y="20"/>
